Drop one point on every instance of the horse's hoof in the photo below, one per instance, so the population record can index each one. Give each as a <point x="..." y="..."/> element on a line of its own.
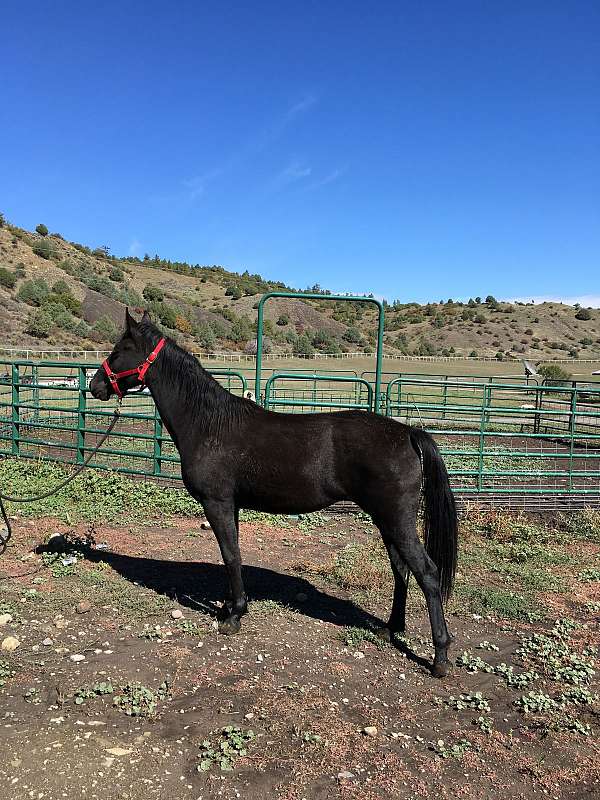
<point x="440" y="669"/>
<point x="384" y="634"/>
<point x="230" y="626"/>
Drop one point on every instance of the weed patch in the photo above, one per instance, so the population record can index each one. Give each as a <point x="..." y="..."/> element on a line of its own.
<point x="231" y="743"/>
<point x="137" y="700"/>
<point x="356" y="637"/>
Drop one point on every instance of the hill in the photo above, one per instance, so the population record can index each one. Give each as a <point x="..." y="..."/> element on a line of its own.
<point x="60" y="294"/>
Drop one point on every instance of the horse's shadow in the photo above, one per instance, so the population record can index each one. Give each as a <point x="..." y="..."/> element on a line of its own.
<point x="200" y="586"/>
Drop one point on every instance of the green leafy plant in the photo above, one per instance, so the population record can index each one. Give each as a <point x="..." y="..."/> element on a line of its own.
<point x="456" y="750"/>
<point x="231" y="743"/>
<point x="355" y="637"/>
<point x="97" y="690"/>
<point x="475" y="701"/>
<point x="137" y="700"/>
<point x="6" y="672"/>
<point x="8" y="279"/>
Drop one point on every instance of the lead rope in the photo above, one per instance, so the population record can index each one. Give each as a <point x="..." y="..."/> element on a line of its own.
<point x="5" y="538"/>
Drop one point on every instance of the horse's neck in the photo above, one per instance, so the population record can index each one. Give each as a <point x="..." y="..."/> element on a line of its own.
<point x="179" y="419"/>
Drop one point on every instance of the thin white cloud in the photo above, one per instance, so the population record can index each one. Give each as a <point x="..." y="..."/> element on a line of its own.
<point x="299" y="108"/>
<point x="196" y="185"/>
<point x="135" y="247"/>
<point x="296" y="170"/>
<point x="331" y="177"/>
<point x="591" y="300"/>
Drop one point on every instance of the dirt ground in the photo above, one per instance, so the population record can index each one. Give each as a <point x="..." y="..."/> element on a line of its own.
<point x="304" y="702"/>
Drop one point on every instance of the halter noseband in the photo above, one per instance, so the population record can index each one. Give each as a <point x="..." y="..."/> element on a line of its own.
<point x="140" y="370"/>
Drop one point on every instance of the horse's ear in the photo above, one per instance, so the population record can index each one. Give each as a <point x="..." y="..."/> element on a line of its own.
<point x="146" y="316"/>
<point x="130" y="323"/>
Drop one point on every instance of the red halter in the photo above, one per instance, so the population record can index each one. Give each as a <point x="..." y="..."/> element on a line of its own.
<point x="140" y="370"/>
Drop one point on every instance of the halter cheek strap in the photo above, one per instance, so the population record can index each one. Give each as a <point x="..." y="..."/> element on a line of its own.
<point x="140" y="370"/>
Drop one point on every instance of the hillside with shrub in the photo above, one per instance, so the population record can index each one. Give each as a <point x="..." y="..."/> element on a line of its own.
<point x="56" y="294"/>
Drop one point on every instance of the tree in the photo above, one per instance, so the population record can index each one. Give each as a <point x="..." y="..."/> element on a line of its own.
<point x="206" y="337"/>
<point x="41" y="229"/>
<point x="43" y="249"/>
<point x="61" y="287"/>
<point x="116" y="274"/>
<point x="241" y="330"/>
<point x="234" y="292"/>
<point x="153" y="293"/>
<point x="8" y="279"/>
<point x="34" y="292"/>
<point x="183" y="324"/>
<point x="303" y="347"/>
<point x="584" y="314"/>
<point x="554" y="374"/>
<point x="352" y="335"/>
<point x="39" y="323"/>
<point x="105" y="330"/>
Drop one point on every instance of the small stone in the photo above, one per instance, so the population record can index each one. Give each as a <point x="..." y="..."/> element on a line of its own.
<point x="83" y="606"/>
<point x="250" y="715"/>
<point x="60" y="623"/>
<point x="301" y="597"/>
<point x="345" y="775"/>
<point x="358" y="654"/>
<point x="370" y="730"/>
<point x="177" y="613"/>
<point x="260" y="658"/>
<point x="10" y="643"/>
<point x="205" y="526"/>
<point x="77" y="657"/>
<point x="48" y="642"/>
<point x="119" y="751"/>
<point x="5" y="619"/>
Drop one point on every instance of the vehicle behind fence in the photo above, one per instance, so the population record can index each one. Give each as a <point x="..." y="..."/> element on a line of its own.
<point x="500" y="437"/>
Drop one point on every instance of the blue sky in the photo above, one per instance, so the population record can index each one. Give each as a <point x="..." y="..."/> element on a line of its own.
<point x="414" y="150"/>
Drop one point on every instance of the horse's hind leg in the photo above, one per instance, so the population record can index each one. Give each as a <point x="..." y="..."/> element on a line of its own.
<point x="223" y="519"/>
<point x="404" y="538"/>
<point x="397" y="620"/>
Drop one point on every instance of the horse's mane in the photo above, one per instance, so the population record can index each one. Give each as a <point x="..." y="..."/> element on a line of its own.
<point x="202" y="398"/>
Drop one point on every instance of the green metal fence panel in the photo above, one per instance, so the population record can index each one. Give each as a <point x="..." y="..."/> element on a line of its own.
<point x="507" y="438"/>
<point x="322" y="394"/>
<point x="322" y="297"/>
<point x="497" y="438"/>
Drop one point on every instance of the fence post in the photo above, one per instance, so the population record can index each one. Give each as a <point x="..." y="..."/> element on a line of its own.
<point x="158" y="433"/>
<point x="484" y="416"/>
<point x="15" y="410"/>
<point x="572" y="432"/>
<point x="81" y="415"/>
<point x="36" y="392"/>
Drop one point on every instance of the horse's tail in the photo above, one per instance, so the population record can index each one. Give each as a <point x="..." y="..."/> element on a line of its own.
<point x="440" y="523"/>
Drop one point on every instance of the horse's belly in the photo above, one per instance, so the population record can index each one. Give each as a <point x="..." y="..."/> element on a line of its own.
<point x="289" y="491"/>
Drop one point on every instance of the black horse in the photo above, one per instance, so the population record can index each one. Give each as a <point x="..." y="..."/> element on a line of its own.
<point x="235" y="454"/>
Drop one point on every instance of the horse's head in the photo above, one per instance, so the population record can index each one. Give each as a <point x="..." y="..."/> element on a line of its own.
<point x="125" y="368"/>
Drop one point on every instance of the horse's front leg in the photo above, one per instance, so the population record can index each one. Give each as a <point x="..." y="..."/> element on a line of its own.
<point x="223" y="518"/>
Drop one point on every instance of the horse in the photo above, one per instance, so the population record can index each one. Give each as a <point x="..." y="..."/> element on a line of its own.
<point x="237" y="455"/>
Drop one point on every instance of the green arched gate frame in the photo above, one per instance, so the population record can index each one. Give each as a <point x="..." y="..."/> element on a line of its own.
<point x="377" y="404"/>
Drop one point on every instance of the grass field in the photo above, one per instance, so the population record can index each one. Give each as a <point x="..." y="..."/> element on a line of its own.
<point x="121" y="682"/>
